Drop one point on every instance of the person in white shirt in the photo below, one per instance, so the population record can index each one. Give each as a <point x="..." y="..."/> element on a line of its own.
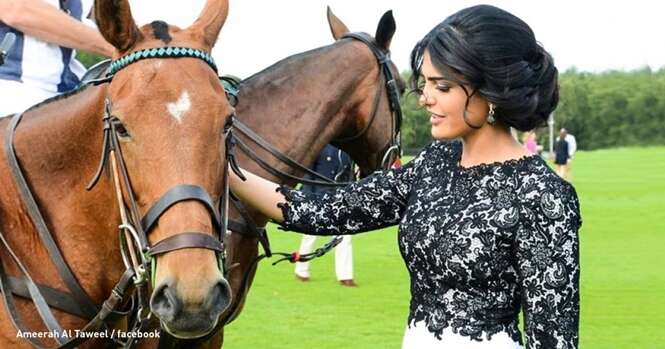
<point x="41" y="63"/>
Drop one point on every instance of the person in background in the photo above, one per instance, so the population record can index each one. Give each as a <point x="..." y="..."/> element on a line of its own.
<point x="42" y="64"/>
<point x="530" y="143"/>
<point x="572" y="148"/>
<point x="561" y="155"/>
<point x="335" y="164"/>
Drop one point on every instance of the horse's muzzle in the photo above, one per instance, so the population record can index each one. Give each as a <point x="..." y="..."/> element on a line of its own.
<point x="186" y="320"/>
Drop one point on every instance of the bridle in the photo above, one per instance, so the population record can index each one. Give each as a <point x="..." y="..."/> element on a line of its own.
<point x="248" y="224"/>
<point x="137" y="253"/>
<point x="384" y="61"/>
<point x="383" y="58"/>
<point x="231" y="86"/>
<point x="140" y="255"/>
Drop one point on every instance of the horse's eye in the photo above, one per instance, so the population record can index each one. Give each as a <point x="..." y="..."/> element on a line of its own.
<point x="120" y="129"/>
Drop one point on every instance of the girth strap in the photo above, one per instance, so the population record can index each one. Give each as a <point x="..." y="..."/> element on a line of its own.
<point x="186" y="240"/>
<point x="177" y="194"/>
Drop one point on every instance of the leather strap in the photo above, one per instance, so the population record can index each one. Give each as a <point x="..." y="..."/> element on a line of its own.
<point x="78" y="293"/>
<point x="86" y="306"/>
<point x="250" y="225"/>
<point x="244" y="129"/>
<point x="177" y="194"/>
<point x="40" y="303"/>
<point x="55" y="298"/>
<point x="107" y="310"/>
<point x="279" y="173"/>
<point x="186" y="240"/>
<point x="383" y="58"/>
<point x="237" y="226"/>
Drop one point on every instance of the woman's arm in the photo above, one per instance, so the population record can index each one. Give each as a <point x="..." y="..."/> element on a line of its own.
<point x="375" y="202"/>
<point x="547" y="251"/>
<point x="259" y="193"/>
<point x="48" y="23"/>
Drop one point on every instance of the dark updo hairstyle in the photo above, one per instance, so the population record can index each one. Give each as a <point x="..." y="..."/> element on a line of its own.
<point x="496" y="54"/>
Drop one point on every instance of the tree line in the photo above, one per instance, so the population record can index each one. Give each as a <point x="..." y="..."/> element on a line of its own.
<point x="603" y="110"/>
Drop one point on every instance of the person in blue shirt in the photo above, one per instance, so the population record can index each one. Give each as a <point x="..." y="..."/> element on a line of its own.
<point x="335" y="164"/>
<point x="41" y="63"/>
<point x="562" y="154"/>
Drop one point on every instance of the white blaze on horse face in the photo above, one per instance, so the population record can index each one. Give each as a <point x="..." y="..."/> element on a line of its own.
<point x="180" y="107"/>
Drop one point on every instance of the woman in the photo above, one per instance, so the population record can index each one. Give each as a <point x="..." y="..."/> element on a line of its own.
<point x="530" y="143"/>
<point x="485" y="229"/>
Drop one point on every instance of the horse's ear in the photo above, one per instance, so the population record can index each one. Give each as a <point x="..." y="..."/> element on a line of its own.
<point x="337" y="27"/>
<point x="385" y="30"/>
<point x="211" y="20"/>
<point x="115" y="22"/>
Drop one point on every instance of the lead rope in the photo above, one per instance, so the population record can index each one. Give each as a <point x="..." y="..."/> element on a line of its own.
<point x="292" y="257"/>
<point x="319" y="252"/>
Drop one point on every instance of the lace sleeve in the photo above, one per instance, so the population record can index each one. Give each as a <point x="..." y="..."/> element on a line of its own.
<point x="548" y="261"/>
<point x="372" y="203"/>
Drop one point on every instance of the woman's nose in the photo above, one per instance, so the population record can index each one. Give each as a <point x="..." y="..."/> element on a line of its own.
<point x="424" y="99"/>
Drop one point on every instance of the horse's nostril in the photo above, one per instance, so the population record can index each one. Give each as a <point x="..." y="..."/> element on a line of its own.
<point x="219" y="298"/>
<point x="165" y="303"/>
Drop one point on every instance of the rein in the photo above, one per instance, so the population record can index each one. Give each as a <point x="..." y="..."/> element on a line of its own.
<point x="383" y="59"/>
<point x="249" y="225"/>
<point x="137" y="254"/>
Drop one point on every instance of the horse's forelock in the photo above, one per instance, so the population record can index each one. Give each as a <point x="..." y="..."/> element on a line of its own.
<point x="160" y="30"/>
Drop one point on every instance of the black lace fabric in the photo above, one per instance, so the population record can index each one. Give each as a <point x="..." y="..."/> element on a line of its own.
<point x="479" y="243"/>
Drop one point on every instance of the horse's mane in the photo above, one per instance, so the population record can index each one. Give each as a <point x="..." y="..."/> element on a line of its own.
<point x="294" y="57"/>
<point x="59" y="97"/>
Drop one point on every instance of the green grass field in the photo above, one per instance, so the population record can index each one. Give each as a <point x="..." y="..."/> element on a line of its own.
<point x="622" y="194"/>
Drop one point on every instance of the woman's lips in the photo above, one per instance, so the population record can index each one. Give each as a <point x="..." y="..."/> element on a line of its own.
<point x="436" y="119"/>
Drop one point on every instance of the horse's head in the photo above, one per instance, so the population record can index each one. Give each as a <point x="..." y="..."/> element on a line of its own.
<point x="374" y="121"/>
<point x="167" y="114"/>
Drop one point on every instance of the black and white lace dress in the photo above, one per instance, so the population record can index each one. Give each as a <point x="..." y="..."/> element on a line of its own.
<point x="480" y="244"/>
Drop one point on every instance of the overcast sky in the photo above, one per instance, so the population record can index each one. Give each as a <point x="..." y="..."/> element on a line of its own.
<point x="590" y="35"/>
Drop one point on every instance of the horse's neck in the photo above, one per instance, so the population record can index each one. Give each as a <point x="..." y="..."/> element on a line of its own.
<point x="58" y="146"/>
<point x="299" y="104"/>
<point x="60" y="142"/>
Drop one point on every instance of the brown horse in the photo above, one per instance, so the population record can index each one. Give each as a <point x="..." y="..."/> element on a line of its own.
<point x="302" y="103"/>
<point x="167" y="116"/>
